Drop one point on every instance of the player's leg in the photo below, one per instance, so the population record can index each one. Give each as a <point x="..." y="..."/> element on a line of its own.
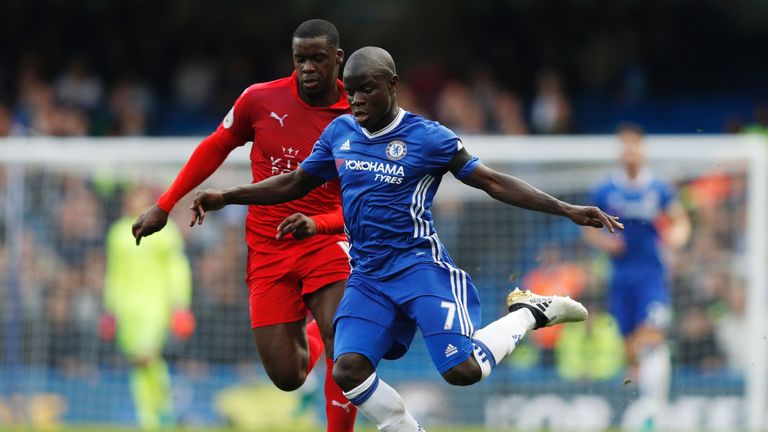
<point x="340" y="413"/>
<point x="653" y="360"/>
<point x="447" y="317"/>
<point x="141" y="338"/>
<point x="527" y="311"/>
<point x="324" y="275"/>
<point x="364" y="334"/>
<point x="446" y="309"/>
<point x="151" y="389"/>
<point x="143" y="395"/>
<point x="284" y="352"/>
<point x="278" y="317"/>
<point x="649" y="344"/>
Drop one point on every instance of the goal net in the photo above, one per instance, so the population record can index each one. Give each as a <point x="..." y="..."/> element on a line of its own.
<point x="60" y="196"/>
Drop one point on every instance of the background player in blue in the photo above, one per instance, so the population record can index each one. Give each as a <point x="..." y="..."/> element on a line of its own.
<point x="390" y="163"/>
<point x="639" y="296"/>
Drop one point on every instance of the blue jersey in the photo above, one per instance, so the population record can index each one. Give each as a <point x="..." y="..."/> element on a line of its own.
<point x="388" y="180"/>
<point x="639" y="204"/>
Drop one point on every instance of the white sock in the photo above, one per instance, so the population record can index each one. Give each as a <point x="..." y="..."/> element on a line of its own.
<point x="382" y="405"/>
<point x="654" y="376"/>
<point x="500" y="338"/>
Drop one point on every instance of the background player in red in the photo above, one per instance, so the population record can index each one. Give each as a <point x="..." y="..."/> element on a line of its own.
<point x="287" y="277"/>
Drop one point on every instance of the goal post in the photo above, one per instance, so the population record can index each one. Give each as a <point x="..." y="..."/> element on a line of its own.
<point x="719" y="283"/>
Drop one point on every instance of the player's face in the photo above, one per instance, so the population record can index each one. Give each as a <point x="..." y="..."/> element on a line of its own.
<point x="633" y="153"/>
<point x="372" y="98"/>
<point x="317" y="65"/>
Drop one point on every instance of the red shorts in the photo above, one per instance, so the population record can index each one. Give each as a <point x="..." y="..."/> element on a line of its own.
<point x="278" y="280"/>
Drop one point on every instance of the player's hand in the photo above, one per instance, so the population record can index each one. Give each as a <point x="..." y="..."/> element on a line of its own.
<point x="205" y="200"/>
<point x="151" y="221"/>
<point x="301" y="225"/>
<point x="107" y="327"/>
<point x="594" y="217"/>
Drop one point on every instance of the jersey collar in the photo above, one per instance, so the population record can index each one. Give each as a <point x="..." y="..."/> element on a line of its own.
<point x="389" y="128"/>
<point x="643" y="180"/>
<point x="341" y="104"/>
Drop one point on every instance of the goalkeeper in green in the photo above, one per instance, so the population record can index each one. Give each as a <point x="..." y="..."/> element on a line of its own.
<point x="147" y="293"/>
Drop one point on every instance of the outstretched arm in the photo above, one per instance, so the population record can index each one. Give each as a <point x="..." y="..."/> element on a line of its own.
<point x="205" y="159"/>
<point x="514" y="191"/>
<point x="274" y="190"/>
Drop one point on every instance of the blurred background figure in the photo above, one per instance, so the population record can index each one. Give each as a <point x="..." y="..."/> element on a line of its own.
<point x="147" y="293"/>
<point x="639" y="295"/>
<point x="551" y="110"/>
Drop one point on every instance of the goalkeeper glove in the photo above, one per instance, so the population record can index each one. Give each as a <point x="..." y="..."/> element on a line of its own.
<point x="107" y="327"/>
<point x="182" y="323"/>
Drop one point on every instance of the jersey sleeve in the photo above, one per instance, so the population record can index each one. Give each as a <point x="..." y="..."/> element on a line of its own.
<point x="238" y="121"/>
<point x="444" y="144"/>
<point x="469" y="166"/>
<point x="330" y="223"/>
<point x="321" y="162"/>
<point x="210" y="153"/>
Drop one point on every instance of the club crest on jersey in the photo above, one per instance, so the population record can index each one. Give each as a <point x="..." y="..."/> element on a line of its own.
<point x="396" y="150"/>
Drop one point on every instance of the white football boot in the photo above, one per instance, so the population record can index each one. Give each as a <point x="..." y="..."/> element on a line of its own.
<point x="547" y="310"/>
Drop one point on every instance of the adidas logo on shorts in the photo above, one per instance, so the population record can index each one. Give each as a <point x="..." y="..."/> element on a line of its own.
<point x="450" y="350"/>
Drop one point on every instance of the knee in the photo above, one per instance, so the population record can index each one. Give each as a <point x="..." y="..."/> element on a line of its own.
<point x="351" y="370"/>
<point x="463" y="374"/>
<point x="288" y="381"/>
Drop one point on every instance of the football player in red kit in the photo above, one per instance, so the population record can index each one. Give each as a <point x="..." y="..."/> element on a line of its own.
<point x="287" y="277"/>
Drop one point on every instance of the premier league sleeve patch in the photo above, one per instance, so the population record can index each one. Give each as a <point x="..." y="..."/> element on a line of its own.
<point x="229" y="119"/>
<point x="396" y="150"/>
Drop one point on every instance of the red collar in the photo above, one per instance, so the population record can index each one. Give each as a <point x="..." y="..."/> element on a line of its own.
<point x="341" y="104"/>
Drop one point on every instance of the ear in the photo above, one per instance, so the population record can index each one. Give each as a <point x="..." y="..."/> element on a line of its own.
<point x="339" y="56"/>
<point x="393" y="82"/>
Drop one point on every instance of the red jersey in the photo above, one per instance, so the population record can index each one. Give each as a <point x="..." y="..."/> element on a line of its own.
<point x="283" y="129"/>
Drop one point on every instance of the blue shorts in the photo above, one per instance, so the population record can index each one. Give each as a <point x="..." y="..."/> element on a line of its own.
<point x="378" y="319"/>
<point x="639" y="299"/>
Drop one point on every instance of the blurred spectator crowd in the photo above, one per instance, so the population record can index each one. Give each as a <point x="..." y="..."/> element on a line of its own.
<point x="79" y="101"/>
<point x="515" y="68"/>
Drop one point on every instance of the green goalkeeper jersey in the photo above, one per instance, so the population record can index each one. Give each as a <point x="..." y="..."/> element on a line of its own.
<point x="146" y="282"/>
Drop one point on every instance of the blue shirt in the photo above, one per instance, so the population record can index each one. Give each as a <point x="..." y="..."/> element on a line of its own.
<point x="388" y="180"/>
<point x="639" y="204"/>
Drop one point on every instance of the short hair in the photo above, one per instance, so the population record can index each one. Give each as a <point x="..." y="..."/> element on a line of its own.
<point x="318" y="28"/>
<point x="630" y="127"/>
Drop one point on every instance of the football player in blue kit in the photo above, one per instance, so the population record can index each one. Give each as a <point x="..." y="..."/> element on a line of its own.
<point x="390" y="163"/>
<point x="639" y="296"/>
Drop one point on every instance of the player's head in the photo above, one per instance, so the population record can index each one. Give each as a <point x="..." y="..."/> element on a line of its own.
<point x="316" y="57"/>
<point x="631" y="137"/>
<point x="370" y="80"/>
